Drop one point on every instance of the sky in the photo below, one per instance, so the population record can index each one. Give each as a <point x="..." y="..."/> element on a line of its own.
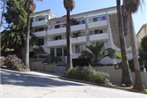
<point x="57" y="7"/>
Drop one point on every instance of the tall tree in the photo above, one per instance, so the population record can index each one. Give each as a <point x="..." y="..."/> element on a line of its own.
<point x="29" y="8"/>
<point x="132" y="6"/>
<point x="126" y="77"/>
<point x="69" y="5"/>
<point x="15" y="16"/>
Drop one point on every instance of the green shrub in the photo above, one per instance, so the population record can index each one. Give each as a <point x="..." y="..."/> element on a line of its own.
<point x="14" y="63"/>
<point x="73" y="73"/>
<point x="100" y="77"/>
<point x="2" y="60"/>
<point x="87" y="74"/>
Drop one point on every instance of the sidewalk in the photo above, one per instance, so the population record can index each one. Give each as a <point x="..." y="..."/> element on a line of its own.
<point x="40" y="85"/>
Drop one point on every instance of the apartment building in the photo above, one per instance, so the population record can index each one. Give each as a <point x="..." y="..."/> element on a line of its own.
<point x="86" y="28"/>
<point x="142" y="33"/>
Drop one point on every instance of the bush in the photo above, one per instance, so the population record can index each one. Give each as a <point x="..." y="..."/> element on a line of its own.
<point x="73" y="73"/>
<point x="14" y="63"/>
<point x="2" y="60"/>
<point x="87" y="74"/>
<point x="100" y="78"/>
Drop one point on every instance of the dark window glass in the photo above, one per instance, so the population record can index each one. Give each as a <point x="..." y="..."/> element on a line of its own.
<point x="65" y="51"/>
<point x="63" y="25"/>
<point x="52" y="52"/>
<point x="83" y="21"/>
<point x="59" y="51"/>
<point x="98" y="31"/>
<point x="103" y="17"/>
<point x="41" y="41"/>
<point x="77" y="49"/>
<point x="57" y="37"/>
<point x="41" y="29"/>
<point x="94" y="19"/>
<point x="57" y="26"/>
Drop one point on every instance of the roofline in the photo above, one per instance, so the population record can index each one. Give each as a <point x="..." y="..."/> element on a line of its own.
<point x="141" y="28"/>
<point x="102" y="9"/>
<point x="42" y="11"/>
<point x="95" y="10"/>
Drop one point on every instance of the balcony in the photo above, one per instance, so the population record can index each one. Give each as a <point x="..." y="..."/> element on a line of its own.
<point x="56" y="31"/>
<point x="39" y="23"/>
<point x="97" y="24"/>
<point x="99" y="37"/>
<point x="82" y="39"/>
<point x="40" y="33"/>
<point x="63" y="29"/>
<point x="56" y="43"/>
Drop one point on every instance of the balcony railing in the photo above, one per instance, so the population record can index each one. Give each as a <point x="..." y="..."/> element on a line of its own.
<point x="40" y="33"/>
<point x="82" y="39"/>
<point x="39" y="23"/>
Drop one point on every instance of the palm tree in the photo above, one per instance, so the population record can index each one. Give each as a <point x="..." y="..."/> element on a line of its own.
<point x="97" y="52"/>
<point x="29" y="7"/>
<point x="93" y="52"/>
<point x="126" y="77"/>
<point x="69" y="5"/>
<point x="132" y="6"/>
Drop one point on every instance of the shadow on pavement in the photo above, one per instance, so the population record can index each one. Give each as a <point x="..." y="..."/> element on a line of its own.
<point x="24" y="79"/>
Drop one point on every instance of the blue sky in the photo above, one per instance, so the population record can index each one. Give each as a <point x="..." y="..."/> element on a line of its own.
<point x="56" y="6"/>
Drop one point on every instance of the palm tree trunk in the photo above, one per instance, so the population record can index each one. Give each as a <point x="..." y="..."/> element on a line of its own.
<point x="68" y="36"/>
<point x="27" y="42"/>
<point x="126" y="77"/>
<point x="138" y="81"/>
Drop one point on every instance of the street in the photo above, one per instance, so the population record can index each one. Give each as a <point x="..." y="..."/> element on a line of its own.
<point x="40" y="85"/>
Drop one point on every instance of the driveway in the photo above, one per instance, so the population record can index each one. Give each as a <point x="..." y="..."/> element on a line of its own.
<point x="39" y="85"/>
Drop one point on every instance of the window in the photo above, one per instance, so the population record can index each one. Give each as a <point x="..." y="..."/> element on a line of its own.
<point x="57" y="26"/>
<point x="40" y="29"/>
<point x="98" y="31"/>
<point x="39" y="18"/>
<point x="77" y="48"/>
<point x="104" y="18"/>
<point x="95" y="19"/>
<point x="57" y="37"/>
<point x="100" y="18"/>
<point x="52" y="52"/>
<point x="65" y="51"/>
<point x="83" y="21"/>
<point x="63" y="25"/>
<point x="59" y="51"/>
<point x="41" y="41"/>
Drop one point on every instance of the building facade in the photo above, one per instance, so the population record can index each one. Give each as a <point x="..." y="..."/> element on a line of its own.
<point x="86" y="28"/>
<point x="142" y="33"/>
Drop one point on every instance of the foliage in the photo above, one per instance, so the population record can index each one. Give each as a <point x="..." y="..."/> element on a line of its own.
<point x="87" y="74"/>
<point x="13" y="36"/>
<point x="2" y="60"/>
<point x="14" y="63"/>
<point x="93" y="52"/>
<point x="51" y="59"/>
<point x="97" y="52"/>
<point x="143" y="51"/>
<point x="69" y="4"/>
<point x="38" y="50"/>
<point x="144" y="43"/>
<point x="73" y="73"/>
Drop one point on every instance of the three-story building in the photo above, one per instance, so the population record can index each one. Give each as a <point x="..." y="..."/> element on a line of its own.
<point x="86" y="28"/>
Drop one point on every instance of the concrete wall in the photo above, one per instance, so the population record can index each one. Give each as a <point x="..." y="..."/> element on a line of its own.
<point x="115" y="74"/>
